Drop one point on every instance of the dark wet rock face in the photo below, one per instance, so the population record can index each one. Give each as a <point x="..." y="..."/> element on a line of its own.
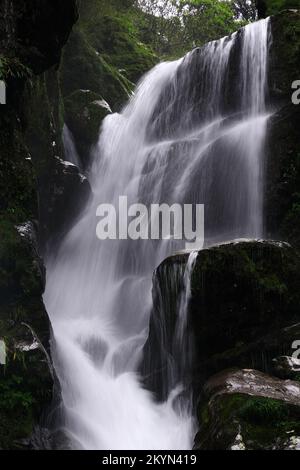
<point x="32" y="35"/>
<point x="36" y="30"/>
<point x="61" y="210"/>
<point x="283" y="140"/>
<point x="249" y="410"/>
<point x="26" y="379"/>
<point x="244" y="301"/>
<point x="84" y="113"/>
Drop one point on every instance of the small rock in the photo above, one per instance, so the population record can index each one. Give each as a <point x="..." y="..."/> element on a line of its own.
<point x="286" y="367"/>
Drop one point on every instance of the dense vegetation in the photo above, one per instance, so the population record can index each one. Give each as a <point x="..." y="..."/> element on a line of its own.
<point x="170" y="28"/>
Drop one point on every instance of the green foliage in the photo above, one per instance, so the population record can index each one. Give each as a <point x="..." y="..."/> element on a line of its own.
<point x="259" y="410"/>
<point x="275" y="6"/>
<point x="12" y="394"/>
<point x="108" y="27"/>
<point x="16" y="174"/>
<point x="265" y="423"/>
<point x="13" y="68"/>
<point x="175" y="27"/>
<point x="206" y="20"/>
<point x="115" y="37"/>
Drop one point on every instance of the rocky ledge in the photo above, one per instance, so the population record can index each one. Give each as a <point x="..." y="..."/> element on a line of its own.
<point x="249" y="410"/>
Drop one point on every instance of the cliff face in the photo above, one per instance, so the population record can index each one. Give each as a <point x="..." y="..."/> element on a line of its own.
<point x="32" y="34"/>
<point x="244" y="297"/>
<point x="282" y="201"/>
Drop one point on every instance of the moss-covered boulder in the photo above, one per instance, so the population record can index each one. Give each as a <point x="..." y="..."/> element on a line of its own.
<point x="83" y="67"/>
<point x="272" y="7"/>
<point x="111" y="29"/>
<point x="34" y="32"/>
<point x="84" y="71"/>
<point x="249" y="410"/>
<point x="26" y="378"/>
<point x="105" y="57"/>
<point x="244" y="299"/>
<point x="84" y="113"/>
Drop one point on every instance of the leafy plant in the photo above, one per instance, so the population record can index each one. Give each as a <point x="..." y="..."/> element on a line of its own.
<point x="13" y="68"/>
<point x="12" y="396"/>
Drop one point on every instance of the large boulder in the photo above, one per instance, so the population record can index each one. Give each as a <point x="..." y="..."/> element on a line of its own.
<point x="243" y="310"/>
<point x="105" y="57"/>
<point x="249" y="410"/>
<point x="84" y="113"/>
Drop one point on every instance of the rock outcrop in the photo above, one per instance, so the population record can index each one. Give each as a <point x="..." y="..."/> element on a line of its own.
<point x="282" y="201"/>
<point x="243" y="310"/>
<point x="249" y="410"/>
<point x="32" y="35"/>
<point x="102" y="61"/>
<point x="286" y="367"/>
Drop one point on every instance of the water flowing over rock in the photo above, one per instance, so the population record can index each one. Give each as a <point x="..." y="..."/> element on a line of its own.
<point x="243" y="296"/>
<point x="189" y="134"/>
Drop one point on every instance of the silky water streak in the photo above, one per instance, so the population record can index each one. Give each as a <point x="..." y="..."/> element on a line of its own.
<point x="179" y="140"/>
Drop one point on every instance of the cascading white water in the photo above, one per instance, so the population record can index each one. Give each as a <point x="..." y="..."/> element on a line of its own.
<point x="177" y="141"/>
<point x="71" y="154"/>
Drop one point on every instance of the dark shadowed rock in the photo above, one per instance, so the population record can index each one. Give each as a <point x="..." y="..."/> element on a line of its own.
<point x="32" y="34"/>
<point x="36" y="30"/>
<point x="26" y="380"/>
<point x="69" y="190"/>
<point x="245" y="296"/>
<point x="286" y="367"/>
<point x="84" y="113"/>
<point x="282" y="200"/>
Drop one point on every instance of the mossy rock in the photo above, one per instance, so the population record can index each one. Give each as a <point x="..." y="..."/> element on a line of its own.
<point x="261" y="414"/>
<point x="25" y="381"/>
<point x="276" y="6"/>
<point x="22" y="279"/>
<point x="115" y="37"/>
<point x="243" y="296"/>
<point x="282" y="200"/>
<point x="84" y="113"/>
<point x="85" y="68"/>
<point x="284" y="54"/>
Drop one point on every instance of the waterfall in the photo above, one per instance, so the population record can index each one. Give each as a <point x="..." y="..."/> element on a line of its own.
<point x="193" y="133"/>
